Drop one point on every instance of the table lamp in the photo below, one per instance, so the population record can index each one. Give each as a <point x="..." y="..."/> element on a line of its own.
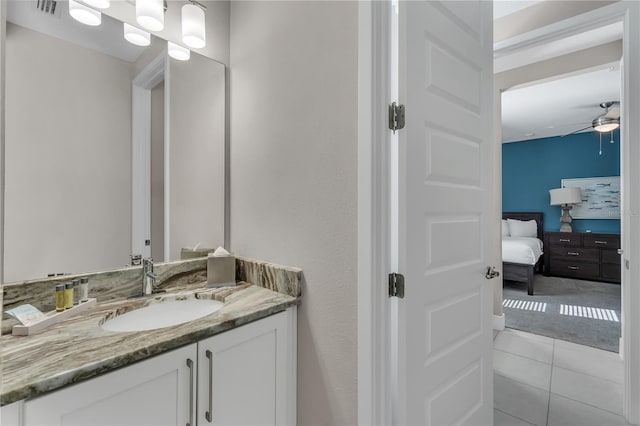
<point x="566" y="198"/>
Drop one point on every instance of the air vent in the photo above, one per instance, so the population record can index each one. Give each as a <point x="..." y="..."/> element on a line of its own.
<point x="47" y="6"/>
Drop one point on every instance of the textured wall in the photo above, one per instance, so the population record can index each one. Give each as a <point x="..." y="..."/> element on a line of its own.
<point x="531" y="168"/>
<point x="293" y="74"/>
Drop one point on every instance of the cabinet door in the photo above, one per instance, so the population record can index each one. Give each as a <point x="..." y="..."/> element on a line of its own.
<point x="151" y="392"/>
<point x="245" y="375"/>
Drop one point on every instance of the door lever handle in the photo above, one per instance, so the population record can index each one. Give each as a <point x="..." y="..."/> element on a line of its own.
<point x="491" y="272"/>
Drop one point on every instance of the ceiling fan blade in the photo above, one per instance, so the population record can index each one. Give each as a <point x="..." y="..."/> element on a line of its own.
<point x="574" y="132"/>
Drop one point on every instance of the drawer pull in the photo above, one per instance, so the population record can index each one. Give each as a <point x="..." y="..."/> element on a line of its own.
<point x="565" y="240"/>
<point x="573" y="268"/>
<point x="573" y="253"/>
<point x="600" y="242"/>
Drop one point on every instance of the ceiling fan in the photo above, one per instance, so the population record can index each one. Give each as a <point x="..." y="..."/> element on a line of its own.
<point x="607" y="122"/>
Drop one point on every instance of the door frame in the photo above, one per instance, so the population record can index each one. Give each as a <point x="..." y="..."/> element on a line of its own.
<point x="141" y="87"/>
<point x="374" y="380"/>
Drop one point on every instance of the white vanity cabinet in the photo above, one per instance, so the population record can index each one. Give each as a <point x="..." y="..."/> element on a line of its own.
<point x="157" y="391"/>
<point x="245" y="376"/>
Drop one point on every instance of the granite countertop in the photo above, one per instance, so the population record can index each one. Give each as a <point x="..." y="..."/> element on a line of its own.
<point x="78" y="349"/>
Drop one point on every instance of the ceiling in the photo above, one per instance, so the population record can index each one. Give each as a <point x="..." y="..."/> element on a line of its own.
<point x="562" y="104"/>
<point x="106" y="38"/>
<point x="558" y="107"/>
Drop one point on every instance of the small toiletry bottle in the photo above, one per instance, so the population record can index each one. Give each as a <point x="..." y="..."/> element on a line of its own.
<point x="84" y="289"/>
<point x="68" y="295"/>
<point x="76" y="291"/>
<point x="60" y="297"/>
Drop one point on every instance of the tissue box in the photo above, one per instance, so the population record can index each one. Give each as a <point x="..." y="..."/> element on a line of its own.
<point x="221" y="271"/>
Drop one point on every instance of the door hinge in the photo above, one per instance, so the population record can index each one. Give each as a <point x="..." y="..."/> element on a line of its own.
<point x="396" y="285"/>
<point x="396" y="117"/>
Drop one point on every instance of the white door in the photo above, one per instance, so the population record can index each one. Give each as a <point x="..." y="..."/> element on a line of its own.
<point x="446" y="213"/>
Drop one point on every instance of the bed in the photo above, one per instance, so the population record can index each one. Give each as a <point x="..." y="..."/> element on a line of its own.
<point x="523" y="256"/>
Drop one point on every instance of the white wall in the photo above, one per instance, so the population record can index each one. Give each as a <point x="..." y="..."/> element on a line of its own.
<point x="68" y="167"/>
<point x="196" y="92"/>
<point x="293" y="72"/>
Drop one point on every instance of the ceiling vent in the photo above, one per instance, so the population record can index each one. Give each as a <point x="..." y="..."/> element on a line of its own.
<point x="47" y="6"/>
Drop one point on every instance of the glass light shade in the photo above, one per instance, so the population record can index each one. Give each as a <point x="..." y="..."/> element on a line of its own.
<point x="84" y="14"/>
<point x="136" y="36"/>
<point x="150" y="14"/>
<point x="569" y="195"/>
<point x="99" y="4"/>
<point x="178" y="52"/>
<point x="193" y="26"/>
<point x="605" y="124"/>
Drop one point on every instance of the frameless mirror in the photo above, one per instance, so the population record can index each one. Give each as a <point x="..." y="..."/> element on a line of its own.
<point x="111" y="149"/>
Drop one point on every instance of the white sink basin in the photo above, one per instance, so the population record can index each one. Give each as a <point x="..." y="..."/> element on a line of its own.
<point x="163" y="314"/>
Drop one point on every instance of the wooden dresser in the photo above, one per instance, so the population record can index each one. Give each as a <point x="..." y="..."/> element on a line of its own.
<point x="582" y="255"/>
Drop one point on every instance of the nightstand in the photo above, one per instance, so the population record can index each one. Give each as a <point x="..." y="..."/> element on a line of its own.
<point x="582" y="255"/>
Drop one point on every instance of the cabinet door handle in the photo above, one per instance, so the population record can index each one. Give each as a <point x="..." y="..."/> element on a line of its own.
<point x="190" y="365"/>
<point x="573" y="253"/>
<point x="209" y="414"/>
<point x="574" y="268"/>
<point x="600" y="242"/>
<point x="564" y="240"/>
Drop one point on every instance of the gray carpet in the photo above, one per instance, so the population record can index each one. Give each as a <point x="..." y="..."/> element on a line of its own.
<point x="593" y="327"/>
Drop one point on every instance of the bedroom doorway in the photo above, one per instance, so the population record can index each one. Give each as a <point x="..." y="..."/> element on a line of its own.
<point x="522" y="48"/>
<point x="563" y="285"/>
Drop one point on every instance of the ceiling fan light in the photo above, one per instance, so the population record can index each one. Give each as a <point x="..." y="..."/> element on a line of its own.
<point x="136" y="36"/>
<point x="84" y="14"/>
<point x="605" y="124"/>
<point x="150" y="14"/>
<point x="178" y="52"/>
<point x="98" y="4"/>
<point x="193" y="26"/>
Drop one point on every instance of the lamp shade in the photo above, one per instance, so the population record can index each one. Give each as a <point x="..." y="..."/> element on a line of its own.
<point x="193" y="26"/>
<point x="150" y="14"/>
<point x="99" y="4"/>
<point x="84" y="14"/>
<point x="570" y="195"/>
<point x="136" y="36"/>
<point x="178" y="52"/>
<point x="604" y="124"/>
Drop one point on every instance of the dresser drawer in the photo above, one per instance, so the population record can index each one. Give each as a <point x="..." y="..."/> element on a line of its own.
<point x="575" y="269"/>
<point x="610" y="256"/>
<point x="569" y="239"/>
<point x="572" y="254"/>
<point x="602" y="241"/>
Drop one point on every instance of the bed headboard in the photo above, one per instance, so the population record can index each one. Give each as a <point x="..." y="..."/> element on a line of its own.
<point x="538" y="217"/>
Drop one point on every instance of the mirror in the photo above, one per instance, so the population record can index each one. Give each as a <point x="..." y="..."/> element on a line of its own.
<point x="84" y="191"/>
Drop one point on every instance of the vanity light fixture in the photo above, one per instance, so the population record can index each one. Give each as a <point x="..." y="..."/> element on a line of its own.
<point x="136" y="36"/>
<point x="84" y="14"/>
<point x="193" y="25"/>
<point x="98" y="4"/>
<point x="178" y="52"/>
<point x="150" y="14"/>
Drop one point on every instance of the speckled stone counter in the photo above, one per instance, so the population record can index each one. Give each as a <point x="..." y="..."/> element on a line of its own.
<point x="78" y="349"/>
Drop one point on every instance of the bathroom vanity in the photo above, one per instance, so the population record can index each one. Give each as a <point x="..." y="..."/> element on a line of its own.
<point x="234" y="366"/>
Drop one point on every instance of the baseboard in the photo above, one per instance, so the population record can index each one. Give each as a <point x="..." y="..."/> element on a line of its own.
<point x="498" y="322"/>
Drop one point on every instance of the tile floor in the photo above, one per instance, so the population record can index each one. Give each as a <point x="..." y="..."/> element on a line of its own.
<point x="543" y="381"/>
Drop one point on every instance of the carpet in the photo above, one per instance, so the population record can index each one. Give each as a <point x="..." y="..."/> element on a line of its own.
<point x="578" y="311"/>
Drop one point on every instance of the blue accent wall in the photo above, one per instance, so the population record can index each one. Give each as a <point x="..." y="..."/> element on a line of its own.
<point x="531" y="168"/>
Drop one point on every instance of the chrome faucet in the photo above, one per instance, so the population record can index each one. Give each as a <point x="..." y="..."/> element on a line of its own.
<point x="149" y="278"/>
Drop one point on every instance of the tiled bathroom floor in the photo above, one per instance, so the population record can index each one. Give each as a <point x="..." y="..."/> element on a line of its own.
<point x="543" y="381"/>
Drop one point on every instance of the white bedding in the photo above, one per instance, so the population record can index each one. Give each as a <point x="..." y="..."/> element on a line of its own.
<point x="521" y="250"/>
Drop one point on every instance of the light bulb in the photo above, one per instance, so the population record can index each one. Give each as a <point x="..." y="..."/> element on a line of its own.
<point x="84" y="14"/>
<point x="136" y="36"/>
<point x="150" y="14"/>
<point x="178" y="52"/>
<point x="193" y="26"/>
